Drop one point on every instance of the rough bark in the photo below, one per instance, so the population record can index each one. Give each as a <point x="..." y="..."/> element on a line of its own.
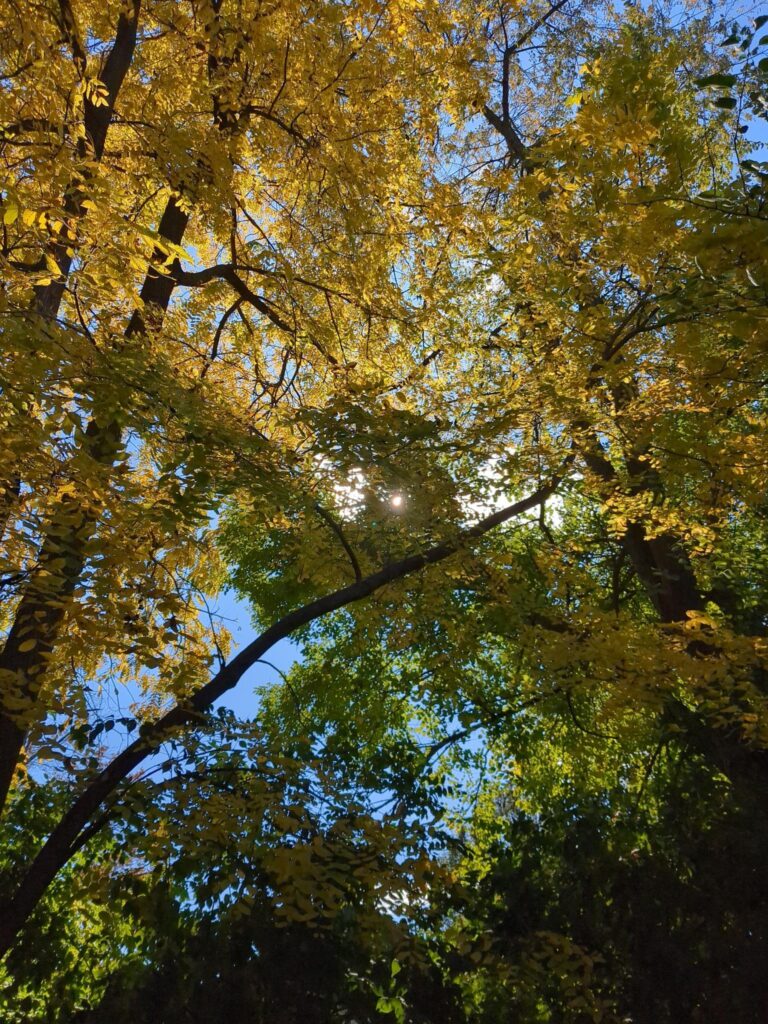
<point x="61" y="560"/>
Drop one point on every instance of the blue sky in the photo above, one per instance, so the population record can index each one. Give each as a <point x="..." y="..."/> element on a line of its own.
<point x="237" y="616"/>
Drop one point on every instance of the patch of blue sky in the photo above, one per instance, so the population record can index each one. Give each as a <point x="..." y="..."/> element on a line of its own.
<point x="243" y="699"/>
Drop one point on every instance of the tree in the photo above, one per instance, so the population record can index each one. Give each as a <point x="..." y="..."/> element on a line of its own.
<point x="634" y="610"/>
<point x="330" y="294"/>
<point x="127" y="373"/>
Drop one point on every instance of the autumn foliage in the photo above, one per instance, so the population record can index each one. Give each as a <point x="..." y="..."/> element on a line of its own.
<point x="435" y="332"/>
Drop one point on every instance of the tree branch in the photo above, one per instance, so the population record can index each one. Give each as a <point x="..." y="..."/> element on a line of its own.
<point x="28" y="124"/>
<point x="228" y="272"/>
<point x="68" y="25"/>
<point x="268" y="115"/>
<point x="64" y="839"/>
<point x="503" y="124"/>
<point x="507" y="130"/>
<point x="328" y="518"/>
<point x="539" y="23"/>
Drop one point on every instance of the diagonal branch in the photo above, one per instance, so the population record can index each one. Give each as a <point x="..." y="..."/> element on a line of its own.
<point x="503" y="124"/>
<point x="69" y="28"/>
<point x="328" y="518"/>
<point x="507" y="130"/>
<point x="539" y="23"/>
<point x="39" y="615"/>
<point x="65" y="837"/>
<point x="228" y="272"/>
<point x="96" y="121"/>
<point x="439" y="746"/>
<point x="268" y="115"/>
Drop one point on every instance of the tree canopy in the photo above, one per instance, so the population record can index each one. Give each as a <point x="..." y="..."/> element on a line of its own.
<point x="435" y="331"/>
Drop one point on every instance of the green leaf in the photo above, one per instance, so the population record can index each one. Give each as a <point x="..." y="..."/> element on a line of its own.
<point x="720" y="79"/>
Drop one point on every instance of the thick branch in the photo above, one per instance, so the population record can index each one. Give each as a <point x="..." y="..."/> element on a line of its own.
<point x="42" y="608"/>
<point x="64" y="839"/>
<point x="96" y="122"/>
<point x="40" y="614"/>
<point x="503" y="124"/>
<point x="523" y="38"/>
<point x="228" y="272"/>
<point x="28" y="125"/>
<point x="68" y="25"/>
<point x="507" y="130"/>
<point x="661" y="563"/>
